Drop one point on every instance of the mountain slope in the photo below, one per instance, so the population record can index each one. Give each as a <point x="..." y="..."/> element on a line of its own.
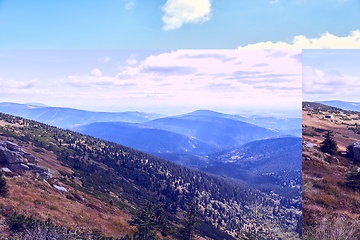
<point x="218" y="131"/>
<point x="145" y="138"/>
<point x="278" y="154"/>
<point x="287" y="126"/>
<point x="270" y="165"/>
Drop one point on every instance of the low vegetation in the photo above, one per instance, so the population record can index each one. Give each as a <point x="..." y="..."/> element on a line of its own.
<point x="4" y="189"/>
<point x="331" y="180"/>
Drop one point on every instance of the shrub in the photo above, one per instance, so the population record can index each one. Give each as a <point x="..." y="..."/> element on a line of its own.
<point x="4" y="189"/>
<point x="329" y="145"/>
<point x="18" y="222"/>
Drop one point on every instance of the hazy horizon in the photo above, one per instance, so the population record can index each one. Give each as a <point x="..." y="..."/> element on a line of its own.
<point x="165" y="81"/>
<point x="278" y="113"/>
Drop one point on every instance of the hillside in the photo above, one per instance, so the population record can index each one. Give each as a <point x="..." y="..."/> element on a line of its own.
<point x="108" y="171"/>
<point x="343" y="123"/>
<point x="218" y="131"/>
<point x="146" y="138"/>
<point x="350" y="106"/>
<point x="284" y="126"/>
<point x="330" y="204"/>
<point x="270" y="164"/>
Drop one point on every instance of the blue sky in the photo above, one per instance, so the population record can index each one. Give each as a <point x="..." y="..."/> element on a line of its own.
<point x="163" y="81"/>
<point x="331" y="75"/>
<point x="175" y="24"/>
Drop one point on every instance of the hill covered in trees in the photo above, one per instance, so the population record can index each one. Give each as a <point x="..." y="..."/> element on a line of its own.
<point x="125" y="177"/>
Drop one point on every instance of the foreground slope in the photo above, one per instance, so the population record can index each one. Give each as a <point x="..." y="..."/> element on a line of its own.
<point x="109" y="171"/>
<point x="330" y="203"/>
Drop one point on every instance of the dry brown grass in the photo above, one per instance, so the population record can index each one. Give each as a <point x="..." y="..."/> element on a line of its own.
<point x="31" y="196"/>
<point x="330" y="208"/>
<point x="333" y="228"/>
<point x="338" y="126"/>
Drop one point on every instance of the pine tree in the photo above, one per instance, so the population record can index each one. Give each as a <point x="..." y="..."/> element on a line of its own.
<point x="190" y="224"/>
<point x="4" y="189"/>
<point x="147" y="220"/>
<point x="329" y="145"/>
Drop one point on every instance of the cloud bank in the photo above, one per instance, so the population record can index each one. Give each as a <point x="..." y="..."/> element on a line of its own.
<point x="325" y="41"/>
<point x="320" y="85"/>
<point x="182" y="79"/>
<point x="179" y="12"/>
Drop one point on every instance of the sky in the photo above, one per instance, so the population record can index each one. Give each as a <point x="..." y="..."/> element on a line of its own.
<point x="330" y="74"/>
<point x="162" y="81"/>
<point x="179" y="24"/>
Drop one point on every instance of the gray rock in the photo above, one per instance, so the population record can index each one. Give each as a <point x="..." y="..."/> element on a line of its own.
<point x="30" y="158"/>
<point x="9" y="156"/>
<point x="11" y="146"/>
<point x="18" y="167"/>
<point x="355" y="151"/>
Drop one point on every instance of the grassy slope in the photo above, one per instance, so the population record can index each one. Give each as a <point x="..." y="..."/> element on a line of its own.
<point x="31" y="196"/>
<point x="330" y="208"/>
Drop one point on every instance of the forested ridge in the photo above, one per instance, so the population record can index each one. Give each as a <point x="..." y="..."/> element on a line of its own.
<point x="122" y="175"/>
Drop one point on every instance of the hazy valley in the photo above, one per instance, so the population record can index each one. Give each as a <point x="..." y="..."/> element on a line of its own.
<point x="254" y="186"/>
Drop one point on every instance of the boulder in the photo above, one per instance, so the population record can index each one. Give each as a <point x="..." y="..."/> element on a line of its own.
<point x="355" y="151"/>
<point x="9" y="156"/>
<point x="11" y="146"/>
<point x="30" y="158"/>
<point x="18" y="167"/>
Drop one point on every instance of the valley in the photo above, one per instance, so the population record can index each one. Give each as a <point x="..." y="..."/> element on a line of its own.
<point x="250" y="199"/>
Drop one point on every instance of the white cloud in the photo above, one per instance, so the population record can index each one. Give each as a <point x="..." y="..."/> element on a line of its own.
<point x="96" y="72"/>
<point x="131" y="60"/>
<point x="178" y="12"/>
<point x="16" y="85"/>
<point x="203" y="78"/>
<point x="129" y="5"/>
<point x="319" y="85"/>
<point x="104" y="59"/>
<point x="326" y="41"/>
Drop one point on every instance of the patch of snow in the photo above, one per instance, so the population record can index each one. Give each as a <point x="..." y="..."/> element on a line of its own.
<point x="61" y="189"/>
<point x="5" y="169"/>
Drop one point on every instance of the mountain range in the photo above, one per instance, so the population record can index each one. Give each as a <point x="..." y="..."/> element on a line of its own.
<point x="123" y="177"/>
<point x="70" y="117"/>
<point x="350" y="106"/>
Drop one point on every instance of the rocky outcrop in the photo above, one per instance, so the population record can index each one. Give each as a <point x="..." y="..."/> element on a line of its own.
<point x="9" y="156"/>
<point x="13" y="158"/>
<point x="355" y="151"/>
<point x="11" y="153"/>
